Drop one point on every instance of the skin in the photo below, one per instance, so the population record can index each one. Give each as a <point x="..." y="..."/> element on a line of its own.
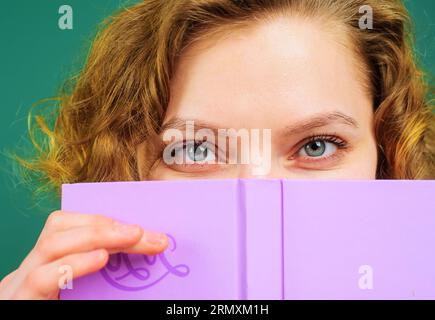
<point x="81" y="241"/>
<point x="287" y="75"/>
<point x="296" y="85"/>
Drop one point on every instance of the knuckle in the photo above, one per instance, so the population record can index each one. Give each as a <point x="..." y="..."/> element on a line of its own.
<point x="54" y="219"/>
<point x="45" y="244"/>
<point x="97" y="232"/>
<point x="33" y="279"/>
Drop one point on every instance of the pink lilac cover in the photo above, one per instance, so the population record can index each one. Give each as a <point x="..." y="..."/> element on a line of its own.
<point x="267" y="239"/>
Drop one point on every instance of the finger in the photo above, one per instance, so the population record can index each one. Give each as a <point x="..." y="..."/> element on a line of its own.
<point x="62" y="220"/>
<point x="45" y="281"/>
<point x="87" y="238"/>
<point x="8" y="278"/>
<point x="6" y="286"/>
<point x="151" y="243"/>
<point x="114" y="237"/>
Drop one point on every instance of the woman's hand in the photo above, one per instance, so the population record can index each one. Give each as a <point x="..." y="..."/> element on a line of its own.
<point x="80" y="241"/>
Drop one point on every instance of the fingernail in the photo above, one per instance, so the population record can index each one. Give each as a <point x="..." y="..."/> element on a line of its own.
<point x="127" y="229"/>
<point x="155" y="238"/>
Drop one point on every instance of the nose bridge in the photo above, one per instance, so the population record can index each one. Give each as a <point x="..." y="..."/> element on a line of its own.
<point x="253" y="171"/>
<point x="256" y="159"/>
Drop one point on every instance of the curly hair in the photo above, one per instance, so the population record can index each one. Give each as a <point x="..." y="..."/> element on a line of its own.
<point x="119" y="98"/>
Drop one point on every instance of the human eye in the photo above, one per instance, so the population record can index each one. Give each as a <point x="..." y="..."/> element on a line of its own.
<point x="193" y="156"/>
<point x="320" y="150"/>
<point x="191" y="152"/>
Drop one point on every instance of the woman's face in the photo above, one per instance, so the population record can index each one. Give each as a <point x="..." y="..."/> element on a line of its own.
<point x="291" y="76"/>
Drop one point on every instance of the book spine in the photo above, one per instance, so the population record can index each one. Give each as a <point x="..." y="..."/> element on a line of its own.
<point x="242" y="286"/>
<point x="261" y="239"/>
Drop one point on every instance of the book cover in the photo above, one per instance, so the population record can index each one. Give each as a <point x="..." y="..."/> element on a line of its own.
<point x="266" y="239"/>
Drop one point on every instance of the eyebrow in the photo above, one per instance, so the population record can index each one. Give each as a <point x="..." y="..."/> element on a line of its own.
<point x="180" y="123"/>
<point x="320" y="120"/>
<point x="312" y="122"/>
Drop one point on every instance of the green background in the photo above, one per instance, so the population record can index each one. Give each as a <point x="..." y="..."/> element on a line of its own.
<point x="35" y="57"/>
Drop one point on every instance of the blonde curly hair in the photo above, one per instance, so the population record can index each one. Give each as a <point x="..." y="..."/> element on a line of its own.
<point x="119" y="98"/>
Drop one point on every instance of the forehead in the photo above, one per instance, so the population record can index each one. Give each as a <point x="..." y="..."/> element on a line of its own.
<point x="268" y="75"/>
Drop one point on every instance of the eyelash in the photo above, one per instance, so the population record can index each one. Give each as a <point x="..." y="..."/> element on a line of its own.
<point x="328" y="138"/>
<point x="182" y="144"/>
<point x="196" y="143"/>
<point x="338" y="142"/>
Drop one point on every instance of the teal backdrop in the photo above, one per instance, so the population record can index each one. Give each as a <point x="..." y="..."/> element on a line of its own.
<point x="35" y="57"/>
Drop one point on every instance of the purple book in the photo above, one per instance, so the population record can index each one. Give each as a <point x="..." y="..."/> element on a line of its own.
<point x="267" y="239"/>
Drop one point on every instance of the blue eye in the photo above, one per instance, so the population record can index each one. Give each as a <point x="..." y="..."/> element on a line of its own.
<point x="193" y="152"/>
<point x="318" y="148"/>
<point x="315" y="148"/>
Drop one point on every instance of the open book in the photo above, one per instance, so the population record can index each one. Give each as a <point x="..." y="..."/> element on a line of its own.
<point x="267" y="239"/>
